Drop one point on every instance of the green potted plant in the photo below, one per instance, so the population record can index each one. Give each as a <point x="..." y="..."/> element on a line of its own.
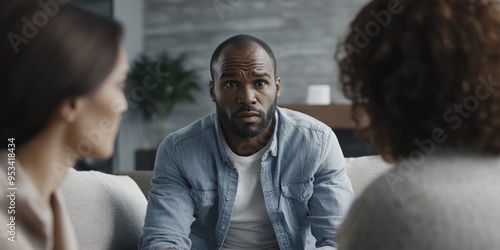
<point x="155" y="85"/>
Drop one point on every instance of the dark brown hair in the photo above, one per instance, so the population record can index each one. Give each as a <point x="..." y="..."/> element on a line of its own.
<point x="416" y="68"/>
<point x="49" y="53"/>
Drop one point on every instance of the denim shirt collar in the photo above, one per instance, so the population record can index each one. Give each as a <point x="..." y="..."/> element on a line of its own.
<point x="273" y="148"/>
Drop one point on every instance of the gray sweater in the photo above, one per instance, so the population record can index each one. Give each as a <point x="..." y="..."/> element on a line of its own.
<point x="444" y="202"/>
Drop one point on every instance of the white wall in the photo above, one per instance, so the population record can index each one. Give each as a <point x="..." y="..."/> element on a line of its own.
<point x="130" y="13"/>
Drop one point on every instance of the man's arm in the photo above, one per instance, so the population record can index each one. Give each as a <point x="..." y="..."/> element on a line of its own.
<point x="332" y="194"/>
<point x="170" y="209"/>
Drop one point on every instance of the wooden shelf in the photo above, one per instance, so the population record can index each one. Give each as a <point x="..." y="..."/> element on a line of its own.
<point x="337" y="116"/>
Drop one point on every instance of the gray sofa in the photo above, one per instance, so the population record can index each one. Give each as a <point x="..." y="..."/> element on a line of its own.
<point x="108" y="211"/>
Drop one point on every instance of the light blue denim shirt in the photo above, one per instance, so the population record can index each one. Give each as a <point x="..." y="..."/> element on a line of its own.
<point x="306" y="188"/>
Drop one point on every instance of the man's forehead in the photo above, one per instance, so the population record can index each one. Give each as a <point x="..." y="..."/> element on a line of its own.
<point x="232" y="57"/>
<point x="249" y="52"/>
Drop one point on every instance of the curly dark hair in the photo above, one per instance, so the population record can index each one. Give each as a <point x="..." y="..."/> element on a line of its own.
<point x="420" y="70"/>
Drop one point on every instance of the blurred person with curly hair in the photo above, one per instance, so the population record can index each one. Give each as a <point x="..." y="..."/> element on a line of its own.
<point x="424" y="80"/>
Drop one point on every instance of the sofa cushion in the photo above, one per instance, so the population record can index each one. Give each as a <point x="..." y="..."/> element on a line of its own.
<point x="142" y="178"/>
<point x="107" y="211"/>
<point x="364" y="170"/>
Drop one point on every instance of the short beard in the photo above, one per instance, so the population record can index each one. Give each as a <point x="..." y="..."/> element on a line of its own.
<point x="246" y="132"/>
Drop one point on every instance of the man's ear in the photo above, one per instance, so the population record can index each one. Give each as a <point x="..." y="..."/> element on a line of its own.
<point x="212" y="90"/>
<point x="278" y="85"/>
<point x="69" y="108"/>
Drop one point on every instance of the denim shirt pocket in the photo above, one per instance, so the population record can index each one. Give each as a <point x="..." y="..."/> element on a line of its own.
<point x="204" y="201"/>
<point x="297" y="196"/>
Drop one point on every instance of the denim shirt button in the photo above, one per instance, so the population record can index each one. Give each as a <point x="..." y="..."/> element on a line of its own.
<point x="223" y="227"/>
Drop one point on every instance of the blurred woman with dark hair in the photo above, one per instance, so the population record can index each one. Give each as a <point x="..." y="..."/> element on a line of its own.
<point x="62" y="72"/>
<point x="424" y="80"/>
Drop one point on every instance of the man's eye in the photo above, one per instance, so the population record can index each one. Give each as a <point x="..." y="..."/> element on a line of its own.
<point x="230" y="84"/>
<point x="260" y="83"/>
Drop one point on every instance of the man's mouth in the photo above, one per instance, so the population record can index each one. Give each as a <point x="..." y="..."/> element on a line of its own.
<point x="248" y="116"/>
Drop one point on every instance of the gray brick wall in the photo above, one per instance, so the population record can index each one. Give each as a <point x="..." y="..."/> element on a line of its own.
<point x="302" y="34"/>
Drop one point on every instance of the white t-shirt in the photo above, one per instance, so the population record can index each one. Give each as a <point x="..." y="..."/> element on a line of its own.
<point x="250" y="226"/>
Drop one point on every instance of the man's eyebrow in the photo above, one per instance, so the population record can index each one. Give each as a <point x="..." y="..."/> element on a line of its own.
<point x="261" y="74"/>
<point x="228" y="75"/>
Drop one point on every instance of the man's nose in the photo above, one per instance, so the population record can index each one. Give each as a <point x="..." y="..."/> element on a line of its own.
<point x="247" y="96"/>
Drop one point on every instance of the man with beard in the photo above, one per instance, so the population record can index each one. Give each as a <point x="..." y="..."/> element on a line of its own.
<point x="252" y="175"/>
